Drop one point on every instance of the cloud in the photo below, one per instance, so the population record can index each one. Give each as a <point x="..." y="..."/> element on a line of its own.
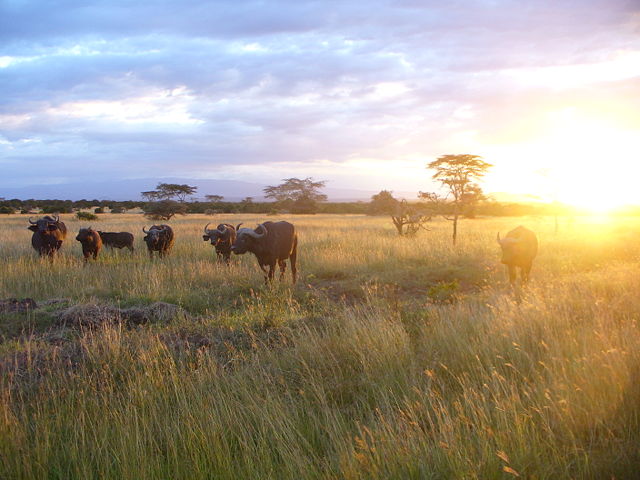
<point x="195" y="88"/>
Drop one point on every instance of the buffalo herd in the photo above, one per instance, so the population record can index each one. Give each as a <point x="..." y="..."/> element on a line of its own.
<point x="271" y="242"/>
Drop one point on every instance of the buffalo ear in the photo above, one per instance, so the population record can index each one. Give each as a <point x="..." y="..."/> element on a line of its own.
<point x="33" y="228"/>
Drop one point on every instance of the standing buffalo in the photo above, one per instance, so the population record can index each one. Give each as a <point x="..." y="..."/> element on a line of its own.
<point x="91" y="243"/>
<point x="159" y="239"/>
<point x="519" y="248"/>
<point x="221" y="238"/>
<point x="48" y="235"/>
<point x="270" y="243"/>
<point x="117" y="239"/>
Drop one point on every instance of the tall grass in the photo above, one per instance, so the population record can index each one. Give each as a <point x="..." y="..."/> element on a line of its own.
<point x="354" y="373"/>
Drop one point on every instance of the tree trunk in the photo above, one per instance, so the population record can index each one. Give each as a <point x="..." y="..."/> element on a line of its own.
<point x="455" y="228"/>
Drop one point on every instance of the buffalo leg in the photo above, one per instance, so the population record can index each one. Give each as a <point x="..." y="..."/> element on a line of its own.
<point x="272" y="268"/>
<point x="524" y="273"/>
<point x="283" y="268"/>
<point x="292" y="258"/>
<point x="512" y="274"/>
<point x="266" y="273"/>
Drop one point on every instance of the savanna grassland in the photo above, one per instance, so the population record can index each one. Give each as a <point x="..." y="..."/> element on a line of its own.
<point x="391" y="358"/>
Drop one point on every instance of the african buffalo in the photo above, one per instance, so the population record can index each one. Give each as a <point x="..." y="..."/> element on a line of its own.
<point x="519" y="248"/>
<point x="91" y="243"/>
<point x="48" y="235"/>
<point x="270" y="242"/>
<point x="117" y="239"/>
<point x="159" y="238"/>
<point x="221" y="238"/>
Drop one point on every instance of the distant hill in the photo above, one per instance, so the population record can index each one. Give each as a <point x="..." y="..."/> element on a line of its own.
<point x="232" y="190"/>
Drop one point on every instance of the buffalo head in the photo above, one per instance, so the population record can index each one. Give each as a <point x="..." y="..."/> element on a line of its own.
<point x="246" y="238"/>
<point x="46" y="224"/>
<point x="215" y="235"/>
<point x="511" y="248"/>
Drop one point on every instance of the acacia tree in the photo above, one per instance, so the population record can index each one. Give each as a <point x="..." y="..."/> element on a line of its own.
<point x="301" y="195"/>
<point x="457" y="174"/>
<point x="214" y="198"/>
<point x="167" y="191"/>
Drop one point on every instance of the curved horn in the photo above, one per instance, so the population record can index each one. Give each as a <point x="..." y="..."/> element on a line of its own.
<point x="264" y="230"/>
<point x="32" y="222"/>
<point x="145" y="231"/>
<point x="205" y="228"/>
<point x="224" y="228"/>
<point x="498" y="239"/>
<point x="238" y="226"/>
<point x="56" y="218"/>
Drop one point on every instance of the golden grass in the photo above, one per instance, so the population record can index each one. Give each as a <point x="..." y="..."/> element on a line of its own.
<point x="356" y="372"/>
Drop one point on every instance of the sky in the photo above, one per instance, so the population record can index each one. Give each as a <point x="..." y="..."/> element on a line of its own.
<point x="361" y="94"/>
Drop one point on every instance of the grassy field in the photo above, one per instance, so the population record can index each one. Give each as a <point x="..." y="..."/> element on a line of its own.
<point x="391" y="357"/>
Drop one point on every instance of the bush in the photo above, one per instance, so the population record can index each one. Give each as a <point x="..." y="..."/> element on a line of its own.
<point x="118" y="210"/>
<point x="6" y="210"/>
<point x="99" y="210"/>
<point x="86" y="216"/>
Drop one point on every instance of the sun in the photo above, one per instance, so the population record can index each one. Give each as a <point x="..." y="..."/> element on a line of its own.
<point x="589" y="163"/>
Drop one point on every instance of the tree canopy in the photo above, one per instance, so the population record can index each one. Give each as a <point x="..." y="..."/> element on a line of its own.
<point x="167" y="191"/>
<point x="301" y="195"/>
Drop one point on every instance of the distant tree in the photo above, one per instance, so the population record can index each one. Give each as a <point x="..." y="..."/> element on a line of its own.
<point x="98" y="210"/>
<point x="301" y="195"/>
<point x="164" y="209"/>
<point x="383" y="203"/>
<point x="457" y="174"/>
<point x="214" y="198"/>
<point x="471" y="199"/>
<point x="167" y="191"/>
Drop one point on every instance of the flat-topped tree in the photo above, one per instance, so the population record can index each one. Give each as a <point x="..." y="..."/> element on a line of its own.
<point x="167" y="191"/>
<point x="457" y="174"/>
<point x="300" y="195"/>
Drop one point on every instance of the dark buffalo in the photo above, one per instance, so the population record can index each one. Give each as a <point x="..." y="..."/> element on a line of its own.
<point x="222" y="237"/>
<point x="159" y="238"/>
<point x="48" y="235"/>
<point x="117" y="239"/>
<point x="519" y="248"/>
<point x="90" y="241"/>
<point x="270" y="242"/>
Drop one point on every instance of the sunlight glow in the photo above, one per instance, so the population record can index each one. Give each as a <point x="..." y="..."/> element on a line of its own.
<point x="579" y="159"/>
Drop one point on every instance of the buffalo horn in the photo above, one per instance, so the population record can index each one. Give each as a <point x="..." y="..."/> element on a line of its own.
<point x="205" y="228"/>
<point x="224" y="229"/>
<point x="238" y="226"/>
<point x="32" y="222"/>
<point x="144" y="230"/>
<point x="264" y="231"/>
<point x="498" y="239"/>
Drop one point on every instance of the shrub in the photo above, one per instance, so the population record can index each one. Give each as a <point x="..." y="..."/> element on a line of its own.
<point x="86" y="216"/>
<point x="6" y="210"/>
<point x="99" y="210"/>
